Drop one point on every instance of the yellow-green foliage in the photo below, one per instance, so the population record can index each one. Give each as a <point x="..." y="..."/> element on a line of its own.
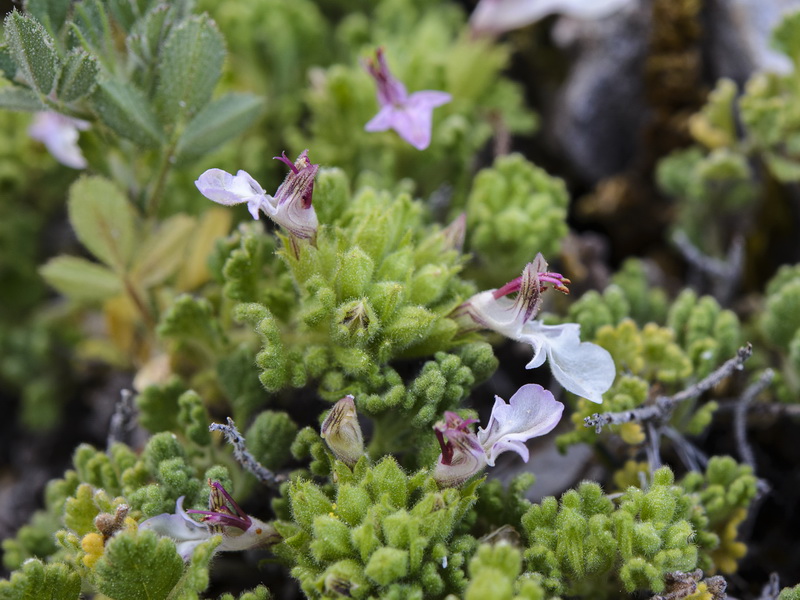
<point x="584" y="544"/>
<point x="514" y="210"/>
<point x="377" y="532"/>
<point x="725" y="492"/>
<point x="630" y="295"/>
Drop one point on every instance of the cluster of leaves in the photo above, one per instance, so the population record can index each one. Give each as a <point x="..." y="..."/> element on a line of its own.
<point x="780" y="328"/>
<point x="514" y="210"/>
<point x="377" y="531"/>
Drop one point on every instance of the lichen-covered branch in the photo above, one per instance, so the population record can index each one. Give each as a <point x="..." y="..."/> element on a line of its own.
<point x="243" y="456"/>
<point x="663" y="405"/>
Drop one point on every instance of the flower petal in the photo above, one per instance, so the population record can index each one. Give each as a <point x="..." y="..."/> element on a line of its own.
<point x="427" y="99"/>
<point x="414" y="125"/>
<point x="179" y="526"/>
<point x="59" y="134"/>
<point x="583" y="368"/>
<point x="532" y="411"/>
<point x="382" y="121"/>
<point x="224" y="188"/>
<point x="497" y="16"/>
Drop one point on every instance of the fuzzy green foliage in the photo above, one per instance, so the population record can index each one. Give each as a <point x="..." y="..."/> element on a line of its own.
<point x="494" y="573"/>
<point x="781" y="320"/>
<point x="140" y="564"/>
<point x="270" y="437"/>
<point x="792" y="593"/>
<point x="630" y="295"/>
<point x="584" y="544"/>
<point x="708" y="334"/>
<point x="260" y="593"/>
<point x="498" y="505"/>
<point x="377" y="533"/>
<point x="39" y="581"/>
<point x="514" y="210"/>
<point x="377" y="287"/>
<point x="725" y="492"/>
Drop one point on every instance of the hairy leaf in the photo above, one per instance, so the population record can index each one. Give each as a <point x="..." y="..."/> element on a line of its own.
<point x="80" y="279"/>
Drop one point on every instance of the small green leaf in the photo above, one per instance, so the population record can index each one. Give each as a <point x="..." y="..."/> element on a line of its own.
<point x="50" y="13"/>
<point x="190" y="68"/>
<point x="145" y="40"/>
<point x="220" y="121"/>
<point x="78" y="77"/>
<point x="91" y="27"/>
<point x="126" y="111"/>
<point x="103" y="220"/>
<point x="80" y="279"/>
<point x="138" y="565"/>
<point x="17" y="98"/>
<point x="33" y="50"/>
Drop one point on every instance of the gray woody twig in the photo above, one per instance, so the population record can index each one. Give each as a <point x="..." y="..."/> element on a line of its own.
<point x="123" y="419"/>
<point x="243" y="457"/>
<point x="663" y="405"/>
<point x="724" y="274"/>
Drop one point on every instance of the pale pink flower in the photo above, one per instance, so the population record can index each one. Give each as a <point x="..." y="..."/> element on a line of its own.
<point x="59" y="134"/>
<point x="411" y="116"/>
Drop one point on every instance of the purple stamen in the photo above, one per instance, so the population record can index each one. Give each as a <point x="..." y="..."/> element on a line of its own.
<point x="285" y="159"/>
<point x="218" y="518"/>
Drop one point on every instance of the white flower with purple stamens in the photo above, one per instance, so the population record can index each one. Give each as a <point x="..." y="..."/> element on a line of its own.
<point x="582" y="368"/>
<point x="290" y="207"/>
<point x="411" y="116"/>
<point x="239" y="530"/>
<point x="531" y="412"/>
<point x="59" y="134"/>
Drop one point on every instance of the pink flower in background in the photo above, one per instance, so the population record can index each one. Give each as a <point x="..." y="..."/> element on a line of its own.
<point x="411" y="116"/>
<point x="531" y="412"/>
<point x="290" y="207"/>
<point x="497" y="16"/>
<point x="59" y="134"/>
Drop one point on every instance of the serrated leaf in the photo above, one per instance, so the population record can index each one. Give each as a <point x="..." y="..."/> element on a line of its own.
<point x="33" y="50"/>
<point x="50" y="13"/>
<point x="220" y="121"/>
<point x="38" y="581"/>
<point x="78" y="77"/>
<point x="103" y="220"/>
<point x="138" y="565"/>
<point x="126" y="111"/>
<point x="16" y="98"/>
<point x="163" y="252"/>
<point x="190" y="67"/>
<point x="7" y="64"/>
<point x="80" y="279"/>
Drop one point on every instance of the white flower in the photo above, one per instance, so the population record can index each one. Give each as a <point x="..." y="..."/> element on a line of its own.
<point x="290" y="207"/>
<point x="531" y="412"/>
<point x="239" y="531"/>
<point x="498" y="16"/>
<point x="582" y="368"/>
<point x="59" y="134"/>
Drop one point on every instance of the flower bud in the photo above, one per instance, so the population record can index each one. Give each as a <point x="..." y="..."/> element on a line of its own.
<point x="342" y="432"/>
